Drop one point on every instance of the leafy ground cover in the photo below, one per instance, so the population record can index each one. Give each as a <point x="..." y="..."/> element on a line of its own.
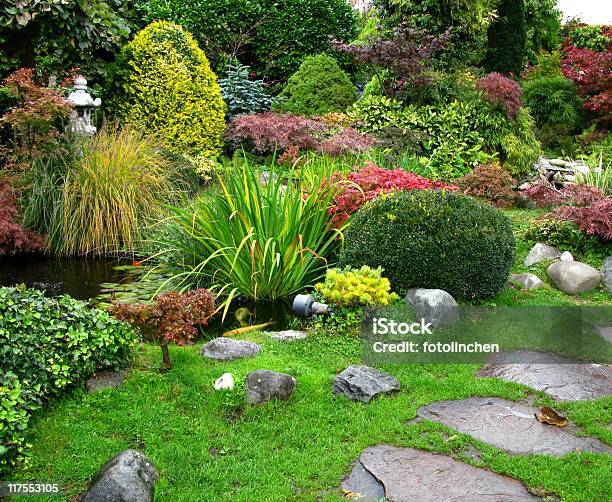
<point x="209" y="446"/>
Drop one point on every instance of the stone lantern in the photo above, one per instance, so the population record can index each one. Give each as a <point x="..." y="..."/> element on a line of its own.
<point x="84" y="105"/>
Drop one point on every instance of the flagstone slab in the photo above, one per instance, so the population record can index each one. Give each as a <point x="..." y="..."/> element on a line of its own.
<point x="508" y="426"/>
<point x="562" y="378"/>
<point x="406" y="474"/>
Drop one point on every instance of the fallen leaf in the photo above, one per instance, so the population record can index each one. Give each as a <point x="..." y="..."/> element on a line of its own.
<point x="351" y="495"/>
<point x="551" y="417"/>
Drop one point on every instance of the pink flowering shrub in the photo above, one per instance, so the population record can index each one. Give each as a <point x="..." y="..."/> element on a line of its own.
<point x="368" y="183"/>
<point x="502" y="92"/>
<point x="268" y="132"/>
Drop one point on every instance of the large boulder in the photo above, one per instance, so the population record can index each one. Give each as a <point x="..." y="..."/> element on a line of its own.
<point x="541" y="252"/>
<point x="435" y="306"/>
<point x="228" y="349"/>
<point x="264" y="385"/>
<point x="573" y="277"/>
<point x="128" y="477"/>
<point x="606" y="273"/>
<point x="526" y="281"/>
<point x="363" y="383"/>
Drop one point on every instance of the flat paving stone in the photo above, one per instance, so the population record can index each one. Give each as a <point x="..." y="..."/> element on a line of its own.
<point x="406" y="474"/>
<point x="228" y="349"/>
<point x="105" y="379"/>
<point x="562" y="378"/>
<point x="508" y="426"/>
<point x="289" y="335"/>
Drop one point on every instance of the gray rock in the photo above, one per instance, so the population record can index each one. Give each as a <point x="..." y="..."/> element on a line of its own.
<point x="566" y="256"/>
<point x="606" y="273"/>
<point x="435" y="306"/>
<point x="526" y="281"/>
<point x="264" y="385"/>
<point x="105" y="379"/>
<point x="264" y="178"/>
<point x="573" y="277"/>
<point x="363" y="383"/>
<point x="605" y="332"/>
<point x="289" y="335"/>
<point x="128" y="477"/>
<point x="541" y="252"/>
<point x="406" y="474"/>
<point x="508" y="426"/>
<point x="562" y="378"/>
<point x="228" y="349"/>
<point x="558" y="162"/>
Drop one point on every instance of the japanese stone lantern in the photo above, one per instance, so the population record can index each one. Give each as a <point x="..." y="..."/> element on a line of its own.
<point x="84" y="105"/>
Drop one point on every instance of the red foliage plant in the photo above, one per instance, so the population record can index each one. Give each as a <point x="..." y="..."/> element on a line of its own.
<point x="269" y="132"/>
<point x="13" y="237"/>
<point x="502" y="92"/>
<point x="575" y="194"/>
<point x="490" y="182"/>
<point x="37" y="117"/>
<point x="595" y="219"/>
<point x="591" y="72"/>
<point x="362" y="186"/>
<point x="172" y="317"/>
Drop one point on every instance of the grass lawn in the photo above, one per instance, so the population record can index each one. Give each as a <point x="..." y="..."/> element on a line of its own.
<point x="208" y="446"/>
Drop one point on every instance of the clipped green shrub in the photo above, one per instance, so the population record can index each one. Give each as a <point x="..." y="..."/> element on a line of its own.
<point x="552" y="100"/>
<point x="162" y="83"/>
<point x="355" y="287"/>
<point x="430" y="239"/>
<point x="46" y="346"/>
<point x="320" y="86"/>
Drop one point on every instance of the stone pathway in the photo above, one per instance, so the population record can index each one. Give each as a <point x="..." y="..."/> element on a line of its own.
<point x="509" y="426"/>
<point x="406" y="474"/>
<point x="561" y="378"/>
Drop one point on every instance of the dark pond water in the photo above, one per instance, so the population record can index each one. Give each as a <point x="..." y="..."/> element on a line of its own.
<point x="78" y="277"/>
<point x="99" y="279"/>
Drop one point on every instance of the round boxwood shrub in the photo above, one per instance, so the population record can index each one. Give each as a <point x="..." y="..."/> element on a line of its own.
<point x="320" y="86"/>
<point x="162" y="83"/>
<point x="433" y="239"/>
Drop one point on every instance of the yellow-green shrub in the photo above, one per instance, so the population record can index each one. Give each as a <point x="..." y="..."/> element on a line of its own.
<point x="162" y="83"/>
<point x="350" y="287"/>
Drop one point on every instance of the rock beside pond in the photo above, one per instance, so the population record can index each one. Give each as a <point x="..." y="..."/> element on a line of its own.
<point x="435" y="306"/>
<point x="363" y="383"/>
<point x="289" y="335"/>
<point x="606" y="273"/>
<point x="228" y="349"/>
<point x="265" y="385"/>
<point x="402" y="474"/>
<point x="105" y="379"/>
<point x="128" y="477"/>
<point x="526" y="281"/>
<point x="573" y="277"/>
<point x="541" y="252"/>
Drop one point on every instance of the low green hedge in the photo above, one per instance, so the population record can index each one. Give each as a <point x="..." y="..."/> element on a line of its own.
<point x="46" y="346"/>
<point x="433" y="239"/>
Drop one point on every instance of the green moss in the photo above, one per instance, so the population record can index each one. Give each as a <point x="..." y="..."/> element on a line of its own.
<point x="320" y="86"/>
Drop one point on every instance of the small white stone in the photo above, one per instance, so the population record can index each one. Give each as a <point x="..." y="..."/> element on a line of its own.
<point x="566" y="256"/>
<point x="224" y="382"/>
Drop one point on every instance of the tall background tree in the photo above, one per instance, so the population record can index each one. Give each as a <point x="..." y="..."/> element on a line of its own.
<point x="506" y="39"/>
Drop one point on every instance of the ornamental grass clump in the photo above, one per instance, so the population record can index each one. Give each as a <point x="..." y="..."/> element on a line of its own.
<point x="433" y="239"/>
<point x="259" y="241"/>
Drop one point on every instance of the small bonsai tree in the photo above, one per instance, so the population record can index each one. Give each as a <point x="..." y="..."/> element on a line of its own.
<point x="320" y="86"/>
<point x="171" y="317"/>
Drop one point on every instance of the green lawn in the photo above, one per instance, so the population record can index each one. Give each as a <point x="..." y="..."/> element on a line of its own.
<point x="208" y="446"/>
